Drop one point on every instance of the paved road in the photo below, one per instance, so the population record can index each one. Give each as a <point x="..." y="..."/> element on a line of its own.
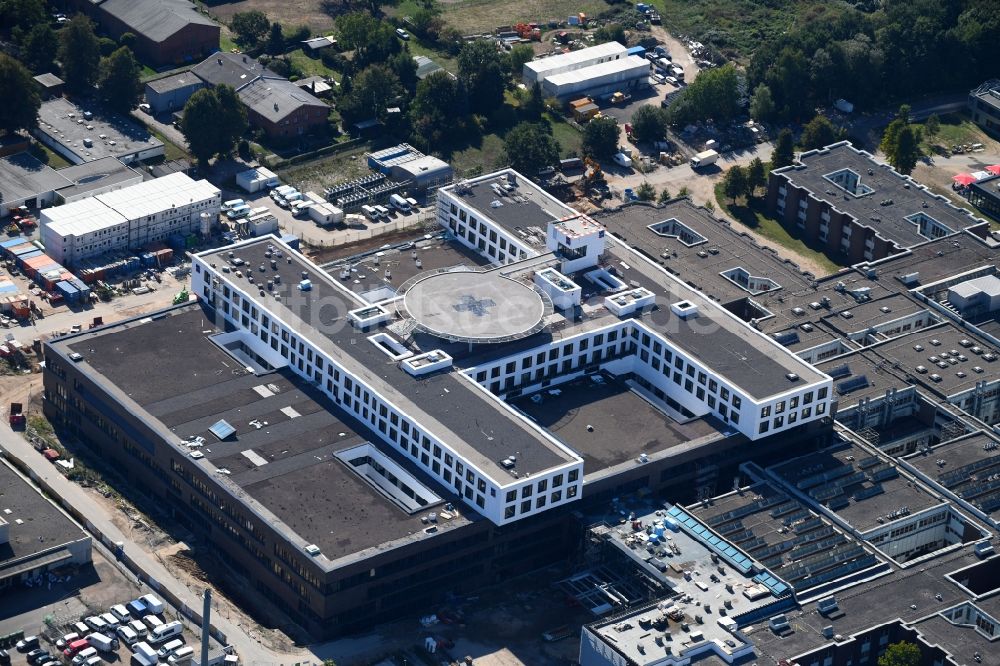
<point x="248" y="647"/>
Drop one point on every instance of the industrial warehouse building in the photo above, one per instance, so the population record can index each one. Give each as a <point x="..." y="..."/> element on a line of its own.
<point x="850" y="204"/>
<point x="129" y="218"/>
<point x="81" y="135"/>
<point x="598" y="70"/>
<point x="168" y="32"/>
<point x="35" y="536"/>
<point x="406" y="164"/>
<point x="356" y="462"/>
<point x="172" y="92"/>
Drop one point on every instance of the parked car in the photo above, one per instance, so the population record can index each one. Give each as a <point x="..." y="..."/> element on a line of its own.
<point x="146" y="108"/>
<point x="402" y="34"/>
<point x="75" y="646"/>
<point x="623" y="160"/>
<point x="27" y="643"/>
<point x="111" y="620"/>
<point x="66" y="640"/>
<point x="96" y="623"/>
<point x="672" y="80"/>
<point x="34" y="653"/>
<point x="169" y="648"/>
<point x="81" y="628"/>
<point x="121" y="613"/>
<point x="84" y="655"/>
<point x="39" y="656"/>
<point x="4" y="657"/>
<point x="127" y="634"/>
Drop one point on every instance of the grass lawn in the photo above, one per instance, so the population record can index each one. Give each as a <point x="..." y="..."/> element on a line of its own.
<point x="328" y="170"/>
<point x="417" y="47"/>
<point x="477" y="159"/>
<point x="752" y="215"/>
<point x="45" y="154"/>
<point x="171" y="150"/>
<point x="954" y="129"/>
<point x="570" y="138"/>
<point x="309" y="66"/>
<point x="478" y="16"/>
<point x="226" y="42"/>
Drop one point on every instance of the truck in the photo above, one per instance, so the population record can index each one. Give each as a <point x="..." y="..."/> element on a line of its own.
<point x="102" y="642"/>
<point x="153" y="604"/>
<point x="144" y="655"/>
<point x="704" y="159"/>
<point x="17" y="419"/>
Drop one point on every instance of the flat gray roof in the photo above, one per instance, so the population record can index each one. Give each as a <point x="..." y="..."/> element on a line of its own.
<point x="174" y="82"/>
<point x="863" y="512"/>
<point x="704" y="251"/>
<point x="960" y="465"/>
<point x="91" y="176"/>
<point x="35" y="525"/>
<point x="22" y="176"/>
<point x="197" y="384"/>
<point x="448" y="405"/>
<point x="129" y="137"/>
<point x="889" y="221"/>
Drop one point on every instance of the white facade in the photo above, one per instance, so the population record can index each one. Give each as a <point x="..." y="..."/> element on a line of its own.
<point x="498" y="496"/>
<point x="127" y="218"/>
<point x="255" y="180"/>
<point x="626" y="73"/>
<point x="539" y="70"/>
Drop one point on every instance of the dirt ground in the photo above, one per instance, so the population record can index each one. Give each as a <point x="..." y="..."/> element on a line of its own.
<point x="286" y="12"/>
<point x="937" y="172"/>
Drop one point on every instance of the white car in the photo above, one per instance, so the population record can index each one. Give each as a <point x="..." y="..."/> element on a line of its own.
<point x="673" y="81"/>
<point x="623" y="160"/>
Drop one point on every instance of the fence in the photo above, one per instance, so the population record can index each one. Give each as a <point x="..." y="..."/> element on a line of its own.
<point x="183" y="609"/>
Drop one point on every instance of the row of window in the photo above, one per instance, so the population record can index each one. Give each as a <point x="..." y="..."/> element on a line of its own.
<point x="358" y="399"/>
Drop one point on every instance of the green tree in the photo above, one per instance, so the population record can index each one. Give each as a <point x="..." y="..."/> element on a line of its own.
<point x="519" y="56"/>
<point x="600" y="138"/>
<point x="213" y="121"/>
<point x="761" y="103"/>
<point x="817" y="133"/>
<point x="932" y="125"/>
<point x="405" y="68"/>
<point x="80" y="54"/>
<point x="21" y="110"/>
<point x="106" y="46"/>
<point x="784" y="150"/>
<point x="715" y="95"/>
<point x="901" y="143"/>
<point x="533" y="105"/>
<point x="39" y="47"/>
<point x="372" y="41"/>
<point x="530" y="147"/>
<point x="900" y="654"/>
<point x="611" y="32"/>
<point x="275" y="44"/>
<point x="756" y="176"/>
<point x="480" y="72"/>
<point x="645" y="192"/>
<point x="438" y="111"/>
<point x="374" y="89"/>
<point x="119" y="81"/>
<point x="21" y="15"/>
<point x="249" y="27"/>
<point x="426" y="24"/>
<point x="664" y="196"/>
<point x="734" y="184"/>
<point x="649" y="123"/>
<point x="128" y="39"/>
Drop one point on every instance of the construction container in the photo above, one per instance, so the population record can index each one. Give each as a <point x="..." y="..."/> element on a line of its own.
<point x="68" y="292"/>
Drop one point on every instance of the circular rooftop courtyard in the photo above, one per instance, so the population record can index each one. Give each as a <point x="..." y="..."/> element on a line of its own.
<point x="470" y="306"/>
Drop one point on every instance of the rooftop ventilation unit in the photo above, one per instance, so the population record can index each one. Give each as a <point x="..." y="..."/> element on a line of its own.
<point x="684" y="309"/>
<point x="312" y="549"/>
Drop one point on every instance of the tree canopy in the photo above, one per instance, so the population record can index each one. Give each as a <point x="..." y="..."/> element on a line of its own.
<point x="530" y="147"/>
<point x="275" y="44"/>
<point x="715" y="94"/>
<point x="39" y="47"/>
<point x="612" y="32"/>
<point x="649" y="123"/>
<point x="438" y="110"/>
<point x="20" y="111"/>
<point x="762" y="103"/>
<point x="756" y="176"/>
<point x="20" y="16"/>
<point x="249" y="27"/>
<point x="480" y="71"/>
<point x="784" y="150"/>
<point x="901" y="143"/>
<point x="900" y="654"/>
<point x="119" y="82"/>
<point x="80" y="54"/>
<point x="373" y="90"/>
<point x="600" y="138"/>
<point x="214" y="119"/>
<point x="818" y="132"/>
<point x="372" y="41"/>
<point x="734" y="183"/>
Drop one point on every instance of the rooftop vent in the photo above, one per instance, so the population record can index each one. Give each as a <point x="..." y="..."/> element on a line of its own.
<point x="684" y="309"/>
<point x="312" y="549"/>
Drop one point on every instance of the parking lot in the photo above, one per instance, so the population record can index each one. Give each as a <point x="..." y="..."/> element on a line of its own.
<point x="111" y="620"/>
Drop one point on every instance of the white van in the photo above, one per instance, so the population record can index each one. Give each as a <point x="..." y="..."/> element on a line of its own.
<point x="399" y="203"/>
<point x="121" y="613"/>
<point x="232" y="203"/>
<point x="139" y="628"/>
<point x="144" y="655"/>
<point x="127" y="634"/>
<point x="169" y="648"/>
<point x="181" y="656"/>
<point x="238" y="212"/>
<point x="369" y="212"/>
<point x="165" y="632"/>
<point x="383" y="212"/>
<point x="152" y="622"/>
<point x="301" y="208"/>
<point x="102" y="642"/>
<point x="93" y="661"/>
<point x="84" y="655"/>
<point x="154" y="605"/>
